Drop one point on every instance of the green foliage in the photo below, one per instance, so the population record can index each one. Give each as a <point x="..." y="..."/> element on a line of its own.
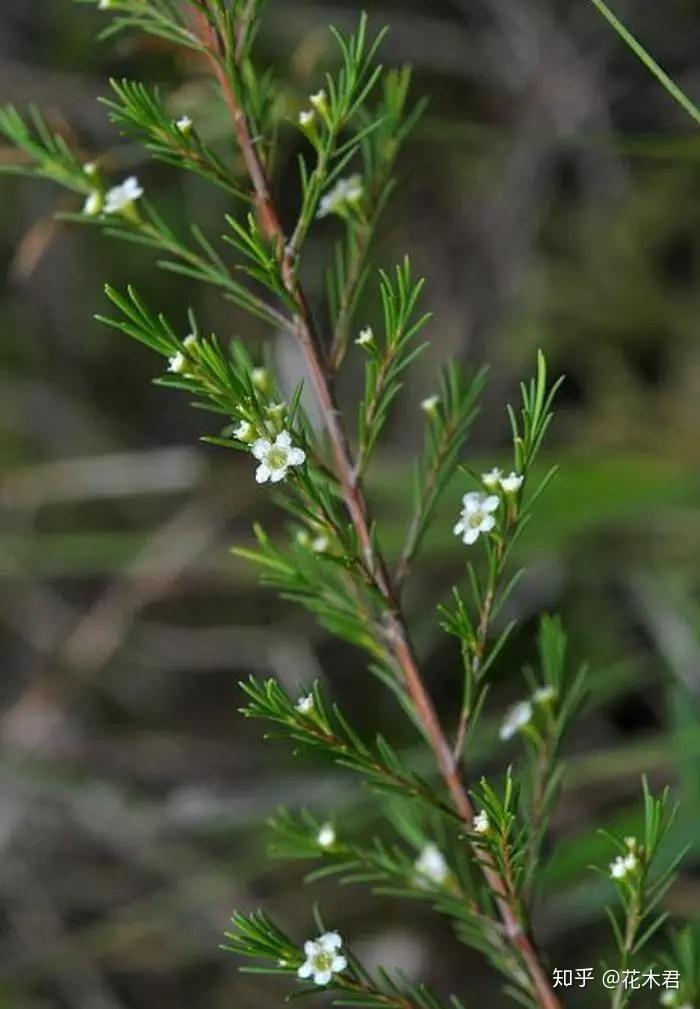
<point x="474" y="852"/>
<point x="640" y="885"/>
<point x="140" y="113"/>
<point x="389" y="357"/>
<point x="325" y="729"/>
<point x="256" y="937"/>
<point x="49" y="154"/>
<point x="649" y="62"/>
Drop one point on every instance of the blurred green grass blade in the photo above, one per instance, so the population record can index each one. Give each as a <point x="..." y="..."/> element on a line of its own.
<point x="649" y="61"/>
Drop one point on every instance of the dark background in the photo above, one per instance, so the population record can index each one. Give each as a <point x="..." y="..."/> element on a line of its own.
<point x="550" y="197"/>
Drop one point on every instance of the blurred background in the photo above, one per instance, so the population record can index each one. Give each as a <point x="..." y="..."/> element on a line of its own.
<point x="550" y="197"/>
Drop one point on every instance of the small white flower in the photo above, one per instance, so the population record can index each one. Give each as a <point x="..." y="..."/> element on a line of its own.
<point x="320" y="544"/>
<point x="184" y="124"/>
<point x="512" y="483"/>
<point x="90" y="168"/>
<point x="104" y="5"/>
<point x="366" y="337"/>
<point x="618" y="869"/>
<point x="93" y="204"/>
<point x="476" y="516"/>
<point x="431" y="866"/>
<point x="275" y="457"/>
<point x="319" y="101"/>
<point x="323" y="959"/>
<point x="543" y="695"/>
<point x="480" y="823"/>
<point x="518" y="716"/>
<point x="631" y="843"/>
<point x="260" y="379"/>
<point x="306" y="118"/>
<point x="243" y="431"/>
<point x="623" y="865"/>
<point x="668" y="998"/>
<point x="305" y="705"/>
<point x="492" y="479"/>
<point x="177" y="363"/>
<point x="276" y="411"/>
<point x="123" y="196"/>
<point x="343" y="194"/>
<point x="189" y="341"/>
<point x="430" y="405"/>
<point x="326" y="836"/>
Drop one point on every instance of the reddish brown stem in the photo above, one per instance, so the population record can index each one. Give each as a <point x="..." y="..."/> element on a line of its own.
<point x="353" y="493"/>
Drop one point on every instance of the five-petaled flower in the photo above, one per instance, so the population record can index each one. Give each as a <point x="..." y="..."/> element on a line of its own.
<point x="323" y="958"/>
<point x="477" y="516"/>
<point x="518" y="717"/>
<point x="345" y="193"/>
<point x="122" y="197"/>
<point x="431" y="866"/>
<point x="275" y="457"/>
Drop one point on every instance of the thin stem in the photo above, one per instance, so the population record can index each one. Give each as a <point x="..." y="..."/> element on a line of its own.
<point x="395" y="628"/>
<point x="478" y="649"/>
<point x="649" y="62"/>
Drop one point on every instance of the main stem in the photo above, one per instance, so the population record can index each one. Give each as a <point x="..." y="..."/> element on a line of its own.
<point x="353" y="493"/>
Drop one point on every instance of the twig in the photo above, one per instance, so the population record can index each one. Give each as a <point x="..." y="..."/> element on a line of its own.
<point x="353" y="493"/>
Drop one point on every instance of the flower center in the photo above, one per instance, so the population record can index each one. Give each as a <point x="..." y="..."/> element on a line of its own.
<point x="475" y="519"/>
<point x="277" y="458"/>
<point x="323" y="961"/>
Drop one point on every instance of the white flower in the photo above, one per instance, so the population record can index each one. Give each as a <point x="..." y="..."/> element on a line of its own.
<point x="366" y="337"/>
<point x="431" y="866"/>
<point x="177" y="363"/>
<point x="306" y="118"/>
<point x="189" y="341"/>
<point x="104" y="5"/>
<point x="305" y="704"/>
<point x="543" y="695"/>
<point x="518" y="716"/>
<point x="320" y="544"/>
<point x="322" y="958"/>
<point x="260" y="378"/>
<point x="480" y="823"/>
<point x="631" y="843"/>
<point x="275" y="457"/>
<point x="184" y="124"/>
<point x="623" y="865"/>
<point x="90" y="168"/>
<point x="491" y="479"/>
<point x="319" y="101"/>
<point x="93" y="204"/>
<point x="343" y="193"/>
<point x="121" y="197"/>
<point x="512" y="483"/>
<point x="326" y="836"/>
<point x="430" y="405"/>
<point x="476" y="516"/>
<point x="243" y="431"/>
